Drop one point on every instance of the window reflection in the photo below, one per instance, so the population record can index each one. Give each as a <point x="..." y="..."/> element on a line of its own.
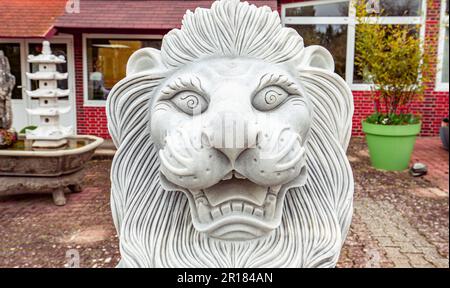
<point x="332" y="37"/>
<point x="401" y="7"/>
<point x="107" y="60"/>
<point x="320" y="10"/>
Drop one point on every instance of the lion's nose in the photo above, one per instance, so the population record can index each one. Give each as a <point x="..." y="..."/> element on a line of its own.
<point x="231" y="138"/>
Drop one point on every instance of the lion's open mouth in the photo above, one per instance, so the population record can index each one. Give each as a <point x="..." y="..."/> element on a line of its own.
<point x="236" y="208"/>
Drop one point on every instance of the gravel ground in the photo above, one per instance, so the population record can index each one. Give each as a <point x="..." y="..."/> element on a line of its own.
<point x="36" y="233"/>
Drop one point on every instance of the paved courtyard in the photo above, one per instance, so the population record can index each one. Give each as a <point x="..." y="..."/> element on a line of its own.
<point x="399" y="221"/>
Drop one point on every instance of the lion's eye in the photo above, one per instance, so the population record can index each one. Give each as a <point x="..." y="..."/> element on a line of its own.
<point x="190" y="102"/>
<point x="269" y="98"/>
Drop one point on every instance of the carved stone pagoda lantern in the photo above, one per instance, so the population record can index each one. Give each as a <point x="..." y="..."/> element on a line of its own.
<point x="49" y="134"/>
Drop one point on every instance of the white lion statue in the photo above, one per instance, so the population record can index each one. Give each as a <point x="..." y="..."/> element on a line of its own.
<point x="231" y="147"/>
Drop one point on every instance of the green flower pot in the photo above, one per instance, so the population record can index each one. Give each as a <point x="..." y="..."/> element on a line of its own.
<point x="390" y="146"/>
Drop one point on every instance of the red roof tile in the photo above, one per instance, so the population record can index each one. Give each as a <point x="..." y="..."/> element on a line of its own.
<point x="135" y="14"/>
<point x="29" y="18"/>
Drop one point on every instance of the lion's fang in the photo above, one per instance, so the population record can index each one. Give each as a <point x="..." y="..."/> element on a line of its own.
<point x="216" y="213"/>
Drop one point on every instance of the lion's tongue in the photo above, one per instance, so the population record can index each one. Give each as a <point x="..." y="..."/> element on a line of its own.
<point x="236" y="189"/>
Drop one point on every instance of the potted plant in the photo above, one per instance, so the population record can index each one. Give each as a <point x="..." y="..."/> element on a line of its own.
<point x="7" y="82"/>
<point x="391" y="59"/>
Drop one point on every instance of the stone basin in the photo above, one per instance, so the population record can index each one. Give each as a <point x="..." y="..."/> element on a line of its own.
<point x="25" y="170"/>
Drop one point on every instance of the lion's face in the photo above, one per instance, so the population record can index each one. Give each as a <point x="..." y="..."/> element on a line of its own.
<point x="231" y="135"/>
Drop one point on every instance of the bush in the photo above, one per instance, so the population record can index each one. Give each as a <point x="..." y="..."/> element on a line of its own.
<point x="393" y="119"/>
<point x="392" y="60"/>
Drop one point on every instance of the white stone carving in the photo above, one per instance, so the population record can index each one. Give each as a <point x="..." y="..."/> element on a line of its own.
<point x="7" y="82"/>
<point x="231" y="147"/>
<point x="49" y="134"/>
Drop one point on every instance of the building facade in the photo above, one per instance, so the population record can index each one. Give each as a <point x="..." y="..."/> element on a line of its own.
<point x="98" y="36"/>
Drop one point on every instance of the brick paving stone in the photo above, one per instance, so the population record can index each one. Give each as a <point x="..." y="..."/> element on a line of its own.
<point x="386" y="241"/>
<point x="429" y="151"/>
<point x="361" y="249"/>
<point x="400" y="248"/>
<point x="399" y="260"/>
<point x="408" y="247"/>
<point x="433" y="192"/>
<point x="418" y="261"/>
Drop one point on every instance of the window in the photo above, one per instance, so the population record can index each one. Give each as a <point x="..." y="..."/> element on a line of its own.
<point x="399" y="7"/>
<point x="13" y="53"/>
<point x="105" y="63"/>
<point x="442" y="69"/>
<point x="322" y="23"/>
<point x="332" y="24"/>
<point x="332" y="37"/>
<point x="398" y="12"/>
<point x="320" y="10"/>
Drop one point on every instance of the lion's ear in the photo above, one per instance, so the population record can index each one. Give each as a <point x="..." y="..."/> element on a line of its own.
<point x="329" y="93"/>
<point x="316" y="57"/>
<point x="146" y="60"/>
<point x="128" y="105"/>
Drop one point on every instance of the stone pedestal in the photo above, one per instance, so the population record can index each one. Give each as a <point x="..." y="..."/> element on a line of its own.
<point x="57" y="186"/>
<point x="46" y="171"/>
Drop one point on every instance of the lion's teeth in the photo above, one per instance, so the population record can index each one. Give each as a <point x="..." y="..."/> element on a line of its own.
<point x="228" y="176"/>
<point x="248" y="209"/>
<point x="198" y="193"/>
<point x="226" y="208"/>
<point x="269" y="204"/>
<point x="236" y="206"/>
<point x="259" y="212"/>
<point x="201" y="200"/>
<point x="275" y="189"/>
<point x="215" y="212"/>
<point x="203" y="210"/>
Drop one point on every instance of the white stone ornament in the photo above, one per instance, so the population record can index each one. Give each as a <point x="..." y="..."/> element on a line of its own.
<point x="49" y="134"/>
<point x="231" y="147"/>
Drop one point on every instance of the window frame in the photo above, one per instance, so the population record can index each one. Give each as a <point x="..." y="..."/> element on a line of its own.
<point x="102" y="103"/>
<point x="444" y="22"/>
<point x="351" y="21"/>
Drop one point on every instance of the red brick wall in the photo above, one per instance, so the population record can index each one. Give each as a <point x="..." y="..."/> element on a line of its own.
<point x="92" y="120"/>
<point x="435" y="105"/>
